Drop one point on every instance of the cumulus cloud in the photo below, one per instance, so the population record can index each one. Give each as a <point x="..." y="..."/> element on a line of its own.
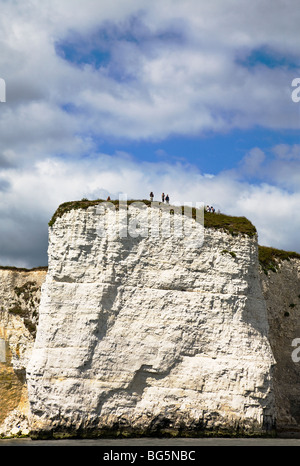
<point x="152" y="54"/>
<point x="251" y="162"/>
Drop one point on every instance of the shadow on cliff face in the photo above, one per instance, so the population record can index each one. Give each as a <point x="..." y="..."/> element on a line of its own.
<point x="281" y="290"/>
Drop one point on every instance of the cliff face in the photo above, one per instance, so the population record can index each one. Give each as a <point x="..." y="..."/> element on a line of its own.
<point x="281" y="290"/>
<point x="19" y="301"/>
<point x="143" y="335"/>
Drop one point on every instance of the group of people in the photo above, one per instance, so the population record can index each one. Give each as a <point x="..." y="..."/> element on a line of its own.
<point x="210" y="209"/>
<point x="163" y="197"/>
<point x="167" y="199"/>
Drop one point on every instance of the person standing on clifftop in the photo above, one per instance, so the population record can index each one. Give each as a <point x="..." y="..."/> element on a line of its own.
<point x="167" y="198"/>
<point x="163" y="197"/>
<point x="151" y="196"/>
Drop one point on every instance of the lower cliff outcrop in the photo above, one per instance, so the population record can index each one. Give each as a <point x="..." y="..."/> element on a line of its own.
<point x="137" y="334"/>
<point x="19" y="301"/>
<point x="281" y="289"/>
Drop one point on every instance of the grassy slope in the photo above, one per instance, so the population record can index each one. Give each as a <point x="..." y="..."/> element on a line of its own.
<point x="269" y="258"/>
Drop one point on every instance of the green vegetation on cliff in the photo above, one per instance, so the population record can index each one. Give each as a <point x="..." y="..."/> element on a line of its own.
<point x="269" y="258"/>
<point x="73" y="205"/>
<point x="230" y="224"/>
<point x="233" y="225"/>
<point x="23" y="269"/>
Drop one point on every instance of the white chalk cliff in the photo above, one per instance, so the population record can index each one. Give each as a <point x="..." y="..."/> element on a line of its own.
<point x="148" y="335"/>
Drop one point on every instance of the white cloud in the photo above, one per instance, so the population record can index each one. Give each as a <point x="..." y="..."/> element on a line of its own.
<point x="251" y="162"/>
<point x="172" y="70"/>
<point x="32" y="195"/>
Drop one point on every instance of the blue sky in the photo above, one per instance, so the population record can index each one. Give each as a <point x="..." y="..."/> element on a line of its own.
<point x="188" y="97"/>
<point x="212" y="153"/>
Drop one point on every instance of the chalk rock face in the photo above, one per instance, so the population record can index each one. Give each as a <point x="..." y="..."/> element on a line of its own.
<point x="282" y="294"/>
<point x="148" y="335"/>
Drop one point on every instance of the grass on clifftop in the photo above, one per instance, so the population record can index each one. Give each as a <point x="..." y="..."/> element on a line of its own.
<point x="269" y="258"/>
<point x="23" y="269"/>
<point x="232" y="225"/>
